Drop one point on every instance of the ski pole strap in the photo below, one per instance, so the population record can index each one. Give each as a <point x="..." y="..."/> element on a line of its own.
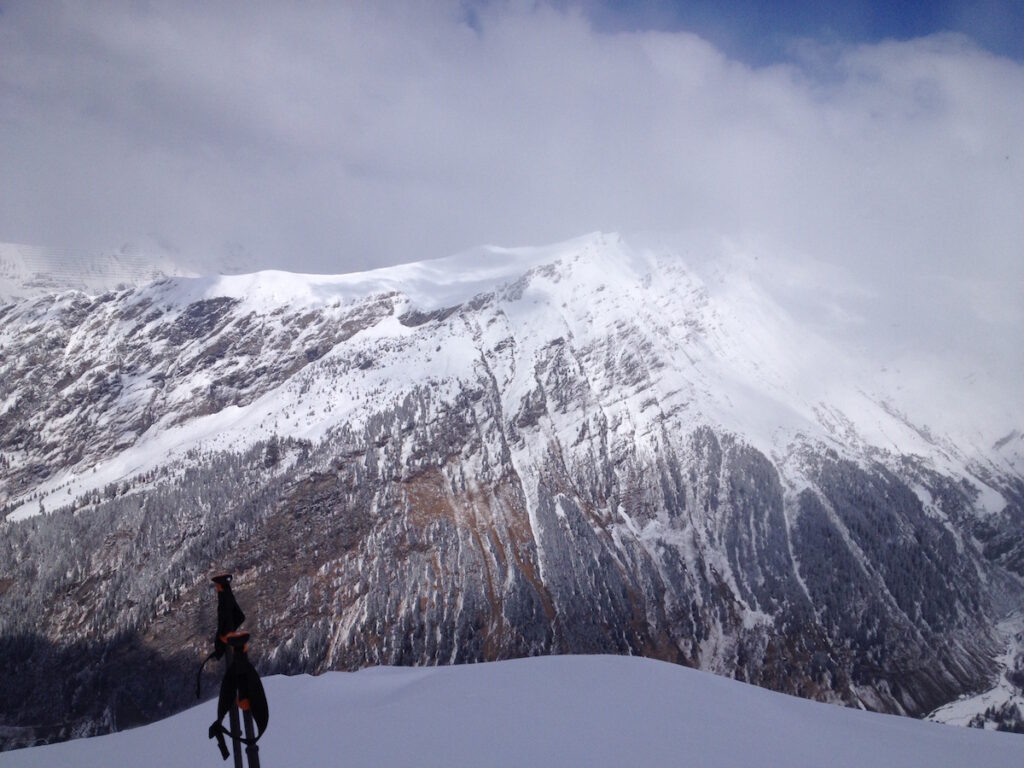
<point x="199" y="674"/>
<point x="216" y="731"/>
<point x="219" y="731"/>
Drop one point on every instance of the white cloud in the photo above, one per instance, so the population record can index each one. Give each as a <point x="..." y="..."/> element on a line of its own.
<point x="349" y="135"/>
<point x="340" y="136"/>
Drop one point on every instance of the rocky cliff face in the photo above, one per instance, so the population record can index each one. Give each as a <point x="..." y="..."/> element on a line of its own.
<point x="583" y="451"/>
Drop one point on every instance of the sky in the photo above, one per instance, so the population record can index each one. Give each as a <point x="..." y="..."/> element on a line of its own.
<point x="760" y="32"/>
<point x="886" y="138"/>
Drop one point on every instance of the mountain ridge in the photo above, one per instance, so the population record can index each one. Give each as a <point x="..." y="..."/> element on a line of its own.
<point x="741" y="349"/>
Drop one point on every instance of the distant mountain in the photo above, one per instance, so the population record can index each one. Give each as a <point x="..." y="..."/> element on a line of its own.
<point x="28" y="271"/>
<point x="546" y="712"/>
<point x="585" y="448"/>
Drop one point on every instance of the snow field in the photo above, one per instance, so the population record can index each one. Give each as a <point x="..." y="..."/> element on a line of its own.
<point x="548" y="711"/>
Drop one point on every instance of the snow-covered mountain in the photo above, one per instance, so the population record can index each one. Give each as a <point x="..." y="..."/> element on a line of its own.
<point x="566" y="710"/>
<point x="725" y="356"/>
<point x="586" y="448"/>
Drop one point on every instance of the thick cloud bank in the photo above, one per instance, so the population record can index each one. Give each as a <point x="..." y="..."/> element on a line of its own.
<point x="330" y="137"/>
<point x="341" y="136"/>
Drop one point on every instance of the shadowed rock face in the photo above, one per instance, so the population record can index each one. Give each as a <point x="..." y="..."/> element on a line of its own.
<point x="553" y="494"/>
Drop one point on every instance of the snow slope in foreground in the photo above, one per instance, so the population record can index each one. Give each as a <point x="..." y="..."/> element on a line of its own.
<point x="550" y="711"/>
